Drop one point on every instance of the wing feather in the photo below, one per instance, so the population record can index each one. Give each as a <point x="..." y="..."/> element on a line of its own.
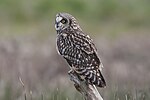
<point x="83" y="42"/>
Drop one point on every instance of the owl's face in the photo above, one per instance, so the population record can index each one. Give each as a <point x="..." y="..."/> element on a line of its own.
<point x="65" y="21"/>
<point x="61" y="22"/>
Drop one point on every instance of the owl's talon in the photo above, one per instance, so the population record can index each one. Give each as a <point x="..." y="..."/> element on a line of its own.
<point x="70" y="71"/>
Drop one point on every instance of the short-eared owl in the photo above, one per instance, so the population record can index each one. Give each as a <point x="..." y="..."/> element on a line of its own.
<point x="78" y="49"/>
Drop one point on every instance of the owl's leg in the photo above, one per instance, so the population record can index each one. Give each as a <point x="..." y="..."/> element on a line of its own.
<point x="73" y="76"/>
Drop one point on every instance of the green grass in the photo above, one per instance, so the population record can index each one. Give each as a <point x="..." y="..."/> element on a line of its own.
<point x="128" y="14"/>
<point x="11" y="93"/>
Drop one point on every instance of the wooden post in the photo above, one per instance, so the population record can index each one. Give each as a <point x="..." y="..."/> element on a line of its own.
<point x="88" y="91"/>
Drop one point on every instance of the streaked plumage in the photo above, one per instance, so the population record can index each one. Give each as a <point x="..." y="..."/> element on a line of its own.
<point x="78" y="49"/>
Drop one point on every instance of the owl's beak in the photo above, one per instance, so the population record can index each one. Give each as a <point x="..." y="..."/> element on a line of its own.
<point x="56" y="26"/>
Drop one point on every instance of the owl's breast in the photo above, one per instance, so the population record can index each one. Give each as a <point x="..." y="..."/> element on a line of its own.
<point x="62" y="43"/>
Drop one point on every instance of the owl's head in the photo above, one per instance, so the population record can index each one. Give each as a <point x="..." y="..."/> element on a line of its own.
<point x="64" y="21"/>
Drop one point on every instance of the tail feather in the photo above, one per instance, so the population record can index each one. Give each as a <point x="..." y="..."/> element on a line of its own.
<point x="93" y="78"/>
<point x="96" y="80"/>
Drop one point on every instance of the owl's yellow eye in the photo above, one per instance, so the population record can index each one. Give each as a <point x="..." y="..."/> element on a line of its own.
<point x="64" y="21"/>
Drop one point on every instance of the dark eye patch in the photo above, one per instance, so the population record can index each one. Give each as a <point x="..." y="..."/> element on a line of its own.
<point x="64" y="21"/>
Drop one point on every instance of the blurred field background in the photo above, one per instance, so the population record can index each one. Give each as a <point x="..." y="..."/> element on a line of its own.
<point x="119" y="28"/>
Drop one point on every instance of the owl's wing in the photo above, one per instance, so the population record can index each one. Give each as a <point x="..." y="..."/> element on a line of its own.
<point x="84" y="42"/>
<point x="91" y="61"/>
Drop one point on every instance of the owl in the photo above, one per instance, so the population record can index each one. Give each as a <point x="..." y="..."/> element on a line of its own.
<point x="78" y="49"/>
